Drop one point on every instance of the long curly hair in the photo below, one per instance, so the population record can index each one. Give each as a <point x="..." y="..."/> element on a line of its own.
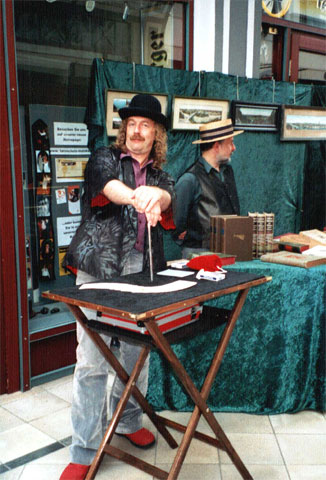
<point x="158" y="152"/>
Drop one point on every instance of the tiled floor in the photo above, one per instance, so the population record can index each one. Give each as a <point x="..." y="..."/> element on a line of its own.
<point x="35" y="435"/>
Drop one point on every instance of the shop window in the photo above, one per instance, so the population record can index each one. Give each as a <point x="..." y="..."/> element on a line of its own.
<point x="307" y="12"/>
<point x="56" y="42"/>
<point x="266" y="55"/>
<point x="271" y="53"/>
<point x="312" y="68"/>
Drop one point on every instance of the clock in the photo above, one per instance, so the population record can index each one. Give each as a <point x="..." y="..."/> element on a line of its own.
<point x="276" y="8"/>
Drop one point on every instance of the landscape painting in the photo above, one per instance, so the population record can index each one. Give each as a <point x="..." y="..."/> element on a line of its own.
<point x="303" y="123"/>
<point x="190" y="112"/>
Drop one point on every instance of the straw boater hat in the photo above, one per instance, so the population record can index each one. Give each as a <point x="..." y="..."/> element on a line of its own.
<point x="144" y="105"/>
<point x="216" y="131"/>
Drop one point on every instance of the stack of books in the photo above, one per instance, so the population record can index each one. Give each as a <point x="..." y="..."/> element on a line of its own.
<point x="263" y="233"/>
<point x="306" y="249"/>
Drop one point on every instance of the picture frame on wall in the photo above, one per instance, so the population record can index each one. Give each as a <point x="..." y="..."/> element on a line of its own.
<point x="262" y="117"/>
<point x="116" y="99"/>
<point x="189" y="113"/>
<point x="301" y="123"/>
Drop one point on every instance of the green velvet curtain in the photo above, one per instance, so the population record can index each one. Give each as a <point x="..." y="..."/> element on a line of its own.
<point x="275" y="361"/>
<point x="270" y="174"/>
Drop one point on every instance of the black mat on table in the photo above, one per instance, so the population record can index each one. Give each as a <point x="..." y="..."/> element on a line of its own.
<point x="137" y="303"/>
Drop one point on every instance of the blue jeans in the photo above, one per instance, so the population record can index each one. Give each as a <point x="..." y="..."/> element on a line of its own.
<point x="89" y="402"/>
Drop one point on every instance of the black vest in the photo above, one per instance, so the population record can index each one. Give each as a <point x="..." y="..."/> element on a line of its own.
<point x="217" y="198"/>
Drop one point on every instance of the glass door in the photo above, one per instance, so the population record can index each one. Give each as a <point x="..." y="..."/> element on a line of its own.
<point x="307" y="58"/>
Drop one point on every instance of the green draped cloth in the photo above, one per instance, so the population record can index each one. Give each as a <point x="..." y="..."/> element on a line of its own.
<point x="276" y="358"/>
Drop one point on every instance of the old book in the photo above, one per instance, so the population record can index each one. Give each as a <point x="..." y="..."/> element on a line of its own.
<point x="299" y="238"/>
<point x="316" y="235"/>
<point x="261" y="234"/>
<point x="225" y="258"/>
<point x="291" y="246"/>
<point x="254" y="233"/>
<point x="294" y="259"/>
<point x="236" y="236"/>
<point x="269" y="232"/>
<point x="215" y="232"/>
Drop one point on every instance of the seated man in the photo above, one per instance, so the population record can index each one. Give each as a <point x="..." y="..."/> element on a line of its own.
<point x="207" y="188"/>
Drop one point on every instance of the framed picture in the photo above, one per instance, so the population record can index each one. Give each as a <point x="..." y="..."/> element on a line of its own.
<point x="303" y="123"/>
<point x="255" y="116"/>
<point x="116" y="99"/>
<point x="188" y="113"/>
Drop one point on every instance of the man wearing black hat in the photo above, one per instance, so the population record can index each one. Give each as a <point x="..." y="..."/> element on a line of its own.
<point x="125" y="188"/>
<point x="207" y="188"/>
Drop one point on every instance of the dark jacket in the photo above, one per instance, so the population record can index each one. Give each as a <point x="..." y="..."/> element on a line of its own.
<point x="107" y="233"/>
<point x="209" y="195"/>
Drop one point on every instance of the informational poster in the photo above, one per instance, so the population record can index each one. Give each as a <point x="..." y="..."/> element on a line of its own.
<point x="68" y="133"/>
<point x="70" y="169"/>
<point x="66" y="227"/>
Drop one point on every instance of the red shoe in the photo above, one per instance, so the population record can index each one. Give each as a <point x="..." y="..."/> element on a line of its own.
<point x="75" y="471"/>
<point x="143" y="438"/>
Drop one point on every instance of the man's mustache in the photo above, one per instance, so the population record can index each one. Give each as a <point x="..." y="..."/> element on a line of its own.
<point x="137" y="137"/>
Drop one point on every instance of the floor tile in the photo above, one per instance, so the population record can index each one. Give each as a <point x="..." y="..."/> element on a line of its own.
<point x="303" y="449"/>
<point x="243" y="423"/>
<point x="58" y="382"/>
<point x="258" y="472"/>
<point x="57" y="425"/>
<point x="62" y="390"/>
<point x="260" y="449"/>
<point x="12" y="474"/>
<point x="198" y="453"/>
<point x="196" y="472"/>
<point x="307" y="472"/>
<point x="302" y="422"/>
<point x="12" y="397"/>
<point x="20" y="441"/>
<point x="121" y="472"/>
<point x="178" y="417"/>
<point x="41" y="472"/>
<point x="7" y="420"/>
<point x="145" y="455"/>
<point x="61" y="457"/>
<point x="7" y="398"/>
<point x="36" y="405"/>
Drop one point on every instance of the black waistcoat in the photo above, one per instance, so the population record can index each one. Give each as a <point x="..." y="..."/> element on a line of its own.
<point x="217" y="198"/>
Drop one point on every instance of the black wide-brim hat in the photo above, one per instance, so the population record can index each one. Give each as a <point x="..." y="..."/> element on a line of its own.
<point x="144" y="105"/>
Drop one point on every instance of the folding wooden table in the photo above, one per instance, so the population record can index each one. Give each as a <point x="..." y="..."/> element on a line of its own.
<point x="142" y="310"/>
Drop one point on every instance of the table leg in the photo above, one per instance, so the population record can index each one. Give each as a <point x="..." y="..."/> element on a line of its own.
<point x="118" y="412"/>
<point x="200" y="398"/>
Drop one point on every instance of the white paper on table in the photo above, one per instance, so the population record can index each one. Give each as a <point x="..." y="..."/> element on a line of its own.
<point x="175" y="273"/>
<point x="127" y="287"/>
